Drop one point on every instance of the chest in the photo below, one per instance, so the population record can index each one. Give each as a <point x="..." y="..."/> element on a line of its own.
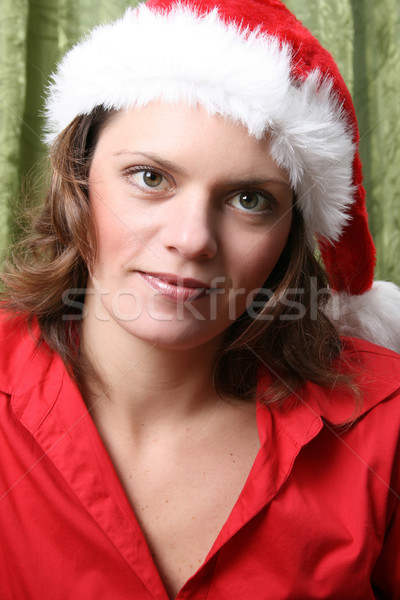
<point x="316" y="534"/>
<point x="182" y="496"/>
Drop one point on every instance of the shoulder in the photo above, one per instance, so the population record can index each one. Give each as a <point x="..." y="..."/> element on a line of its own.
<point x="375" y="372"/>
<point x="19" y="342"/>
<point x="364" y="354"/>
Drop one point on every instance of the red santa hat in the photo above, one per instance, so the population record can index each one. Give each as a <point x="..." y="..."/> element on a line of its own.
<point x="251" y="61"/>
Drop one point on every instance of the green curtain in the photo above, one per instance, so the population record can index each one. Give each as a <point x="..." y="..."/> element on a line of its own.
<point x="362" y="35"/>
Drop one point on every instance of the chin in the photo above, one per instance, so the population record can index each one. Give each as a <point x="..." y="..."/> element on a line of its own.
<point x="176" y="335"/>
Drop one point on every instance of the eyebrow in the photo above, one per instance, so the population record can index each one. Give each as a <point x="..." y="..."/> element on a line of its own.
<point x="175" y="168"/>
<point x="161" y="162"/>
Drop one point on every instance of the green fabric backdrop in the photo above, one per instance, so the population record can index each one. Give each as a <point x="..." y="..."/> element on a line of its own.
<point x="363" y="36"/>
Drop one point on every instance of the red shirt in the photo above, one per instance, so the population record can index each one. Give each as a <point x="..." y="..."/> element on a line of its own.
<point x="318" y="516"/>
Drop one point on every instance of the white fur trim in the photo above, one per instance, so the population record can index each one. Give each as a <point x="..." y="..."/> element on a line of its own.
<point x="372" y="316"/>
<point x="180" y="56"/>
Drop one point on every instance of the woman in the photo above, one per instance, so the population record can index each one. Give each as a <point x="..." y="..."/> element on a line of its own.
<point x="180" y="416"/>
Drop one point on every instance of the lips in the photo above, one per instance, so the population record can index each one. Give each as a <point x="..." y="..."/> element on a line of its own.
<point x="175" y="288"/>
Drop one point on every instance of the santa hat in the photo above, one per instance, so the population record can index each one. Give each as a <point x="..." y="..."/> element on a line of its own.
<point x="254" y="62"/>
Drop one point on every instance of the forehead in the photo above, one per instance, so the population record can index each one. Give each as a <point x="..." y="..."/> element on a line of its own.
<point x="187" y="136"/>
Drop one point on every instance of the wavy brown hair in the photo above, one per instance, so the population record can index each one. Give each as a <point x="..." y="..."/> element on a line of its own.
<point x="56" y="256"/>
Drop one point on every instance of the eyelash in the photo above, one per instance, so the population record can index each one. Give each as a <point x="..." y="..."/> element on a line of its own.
<point x="143" y="169"/>
<point x="265" y="196"/>
<point x="269" y="199"/>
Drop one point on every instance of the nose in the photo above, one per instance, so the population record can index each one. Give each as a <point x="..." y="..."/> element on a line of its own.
<point x="190" y="226"/>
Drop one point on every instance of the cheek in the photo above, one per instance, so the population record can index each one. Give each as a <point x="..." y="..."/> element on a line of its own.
<point x="121" y="225"/>
<point x="110" y="235"/>
<point x="258" y="258"/>
<point x="113" y="230"/>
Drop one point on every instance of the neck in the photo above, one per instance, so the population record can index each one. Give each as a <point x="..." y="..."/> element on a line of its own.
<point x="142" y="381"/>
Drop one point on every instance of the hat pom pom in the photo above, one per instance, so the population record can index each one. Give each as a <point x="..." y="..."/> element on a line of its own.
<point x="372" y="316"/>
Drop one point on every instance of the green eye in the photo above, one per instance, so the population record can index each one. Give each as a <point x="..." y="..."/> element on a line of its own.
<point x="147" y="179"/>
<point x="251" y="202"/>
<point x="152" y="179"/>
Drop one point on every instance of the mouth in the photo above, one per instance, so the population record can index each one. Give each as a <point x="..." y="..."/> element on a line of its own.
<point x="175" y="288"/>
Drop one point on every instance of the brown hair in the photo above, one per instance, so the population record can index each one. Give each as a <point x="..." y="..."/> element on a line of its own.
<point x="55" y="257"/>
<point x="290" y="334"/>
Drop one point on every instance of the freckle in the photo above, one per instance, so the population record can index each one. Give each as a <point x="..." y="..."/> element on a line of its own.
<point x="231" y="453"/>
<point x="193" y="518"/>
<point x="179" y="569"/>
<point x="130" y="476"/>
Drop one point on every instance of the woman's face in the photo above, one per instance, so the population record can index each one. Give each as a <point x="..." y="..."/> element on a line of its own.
<point x="191" y="215"/>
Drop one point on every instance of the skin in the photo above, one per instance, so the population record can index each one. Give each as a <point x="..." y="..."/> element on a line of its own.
<point x="181" y="201"/>
<point x="183" y="218"/>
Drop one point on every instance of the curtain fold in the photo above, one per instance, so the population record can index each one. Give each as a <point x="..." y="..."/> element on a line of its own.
<point x="362" y="35"/>
<point x="364" y="38"/>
